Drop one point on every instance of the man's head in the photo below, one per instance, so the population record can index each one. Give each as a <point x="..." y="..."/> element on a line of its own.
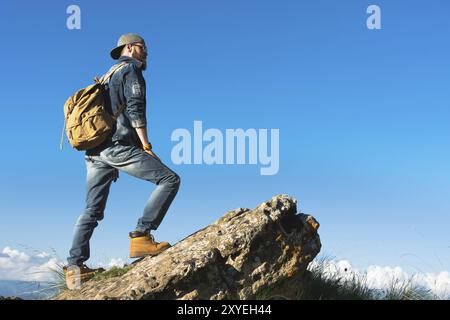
<point x="131" y="45"/>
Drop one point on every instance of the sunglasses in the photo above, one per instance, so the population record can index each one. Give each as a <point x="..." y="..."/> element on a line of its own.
<point x="142" y="46"/>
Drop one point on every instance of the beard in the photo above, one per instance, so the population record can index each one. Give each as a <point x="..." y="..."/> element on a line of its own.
<point x="142" y="58"/>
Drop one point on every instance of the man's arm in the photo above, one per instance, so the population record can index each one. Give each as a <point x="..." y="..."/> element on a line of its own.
<point x="134" y="93"/>
<point x="142" y="133"/>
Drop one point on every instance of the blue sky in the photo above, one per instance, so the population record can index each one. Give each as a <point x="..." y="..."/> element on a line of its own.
<point x="363" y="119"/>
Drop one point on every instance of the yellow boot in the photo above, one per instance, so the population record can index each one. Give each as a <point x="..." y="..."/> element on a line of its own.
<point x="143" y="244"/>
<point x="76" y="275"/>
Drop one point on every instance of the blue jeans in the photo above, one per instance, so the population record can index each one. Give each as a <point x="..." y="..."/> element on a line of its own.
<point x="102" y="169"/>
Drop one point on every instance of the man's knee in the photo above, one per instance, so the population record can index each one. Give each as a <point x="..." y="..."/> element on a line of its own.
<point x="176" y="179"/>
<point x="173" y="179"/>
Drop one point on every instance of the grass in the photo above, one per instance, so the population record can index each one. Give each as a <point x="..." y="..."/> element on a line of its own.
<point x="55" y="287"/>
<point x="408" y="291"/>
<point x="112" y="273"/>
<point x="59" y="284"/>
<point x="320" y="284"/>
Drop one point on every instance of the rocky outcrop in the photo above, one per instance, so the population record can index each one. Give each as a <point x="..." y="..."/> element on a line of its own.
<point x="246" y="254"/>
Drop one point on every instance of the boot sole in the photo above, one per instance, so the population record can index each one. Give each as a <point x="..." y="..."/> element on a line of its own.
<point x="137" y="254"/>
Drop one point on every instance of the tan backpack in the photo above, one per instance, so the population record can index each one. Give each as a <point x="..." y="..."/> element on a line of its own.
<point x="86" y="120"/>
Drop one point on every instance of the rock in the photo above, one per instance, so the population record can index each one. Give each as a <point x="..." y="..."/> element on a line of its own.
<point x="246" y="254"/>
<point x="10" y="298"/>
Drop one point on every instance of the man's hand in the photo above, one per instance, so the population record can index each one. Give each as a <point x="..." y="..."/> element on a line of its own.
<point x="150" y="152"/>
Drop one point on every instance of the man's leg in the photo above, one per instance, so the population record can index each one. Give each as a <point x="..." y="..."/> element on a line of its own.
<point x="99" y="178"/>
<point x="140" y="164"/>
<point x="159" y="202"/>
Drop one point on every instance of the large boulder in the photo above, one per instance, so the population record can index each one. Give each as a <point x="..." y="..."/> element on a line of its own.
<point x="246" y="254"/>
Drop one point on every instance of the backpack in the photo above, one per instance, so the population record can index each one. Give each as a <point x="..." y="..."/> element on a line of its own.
<point x="86" y="119"/>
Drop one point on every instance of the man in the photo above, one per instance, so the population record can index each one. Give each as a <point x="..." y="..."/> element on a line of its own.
<point x="129" y="150"/>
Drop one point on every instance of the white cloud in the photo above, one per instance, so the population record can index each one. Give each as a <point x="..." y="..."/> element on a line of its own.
<point x="379" y="277"/>
<point x="43" y="255"/>
<point x="438" y="283"/>
<point x="18" y="265"/>
<point x="16" y="255"/>
<point x="385" y="277"/>
<point x="116" y="263"/>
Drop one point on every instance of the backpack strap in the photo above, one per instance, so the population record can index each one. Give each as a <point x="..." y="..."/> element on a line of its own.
<point x="105" y="78"/>
<point x="61" y="143"/>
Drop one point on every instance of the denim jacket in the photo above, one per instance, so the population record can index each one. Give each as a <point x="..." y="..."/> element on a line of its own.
<point x="126" y="87"/>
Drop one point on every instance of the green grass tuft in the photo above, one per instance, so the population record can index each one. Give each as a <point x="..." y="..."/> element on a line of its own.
<point x="112" y="273"/>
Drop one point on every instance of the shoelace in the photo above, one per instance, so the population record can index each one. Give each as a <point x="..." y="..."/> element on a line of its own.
<point x="150" y="236"/>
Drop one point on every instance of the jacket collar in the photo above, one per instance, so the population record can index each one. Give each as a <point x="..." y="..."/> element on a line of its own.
<point x="134" y="61"/>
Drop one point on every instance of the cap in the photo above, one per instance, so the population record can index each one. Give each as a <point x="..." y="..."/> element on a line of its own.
<point x="125" y="39"/>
